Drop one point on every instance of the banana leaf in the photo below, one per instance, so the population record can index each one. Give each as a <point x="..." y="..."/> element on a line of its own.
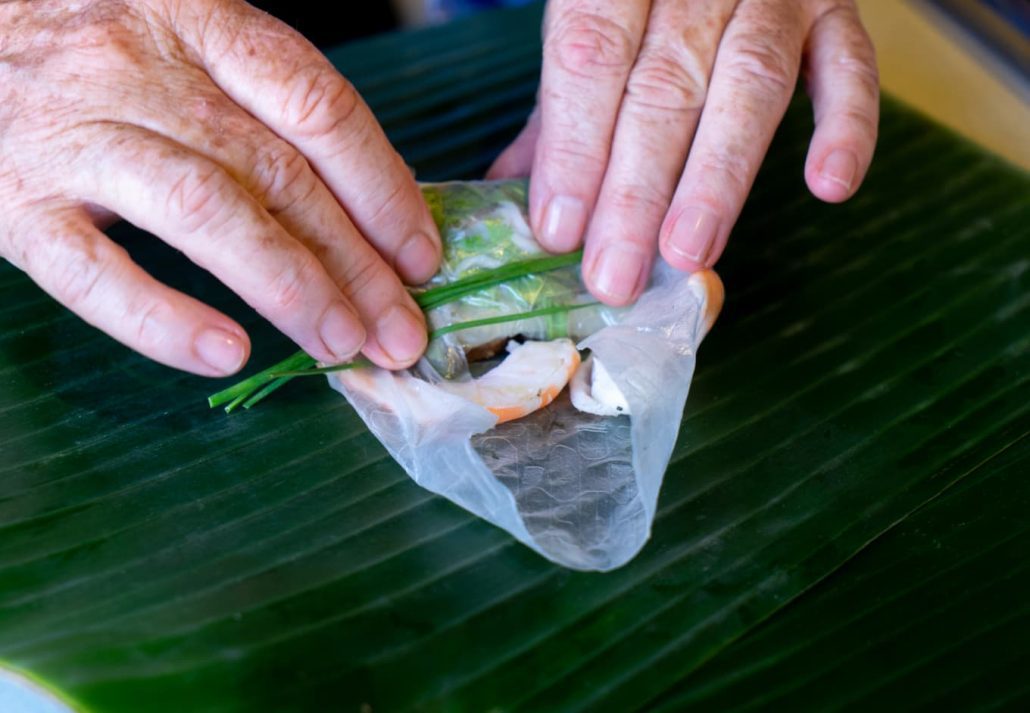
<point x="871" y="363"/>
<point x="931" y="616"/>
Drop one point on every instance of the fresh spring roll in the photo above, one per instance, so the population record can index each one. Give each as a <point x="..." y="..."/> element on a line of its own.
<point x="483" y="227"/>
<point x="575" y="477"/>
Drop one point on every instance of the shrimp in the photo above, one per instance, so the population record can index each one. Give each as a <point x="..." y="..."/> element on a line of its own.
<point x="529" y="378"/>
<point x="593" y="390"/>
<point x="710" y="292"/>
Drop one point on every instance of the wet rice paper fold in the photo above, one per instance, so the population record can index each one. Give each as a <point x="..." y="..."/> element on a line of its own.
<point x="580" y="489"/>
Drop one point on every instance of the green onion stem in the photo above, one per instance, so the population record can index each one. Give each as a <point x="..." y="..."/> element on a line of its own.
<point x="436" y="296"/>
<point x="255" y="388"/>
<point x="245" y="388"/>
<point x="457" y="327"/>
<point x="269" y="388"/>
<point x="516" y="317"/>
<point x="357" y="364"/>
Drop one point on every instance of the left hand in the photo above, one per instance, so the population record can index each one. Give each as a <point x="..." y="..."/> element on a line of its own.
<point x="654" y="116"/>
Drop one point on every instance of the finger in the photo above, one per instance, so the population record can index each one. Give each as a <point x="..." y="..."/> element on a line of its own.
<point x="845" y="91"/>
<point x="589" y="48"/>
<point x="194" y="205"/>
<point x="77" y="265"/>
<point x="659" y="113"/>
<point x="282" y="181"/>
<point x="753" y="79"/>
<point x="285" y="82"/>
<point x="517" y="160"/>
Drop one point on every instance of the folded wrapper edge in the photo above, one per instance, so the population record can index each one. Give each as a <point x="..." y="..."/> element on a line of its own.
<point x="650" y="355"/>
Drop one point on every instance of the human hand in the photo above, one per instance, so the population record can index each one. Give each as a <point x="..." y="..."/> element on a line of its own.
<point x="226" y="134"/>
<point x="653" y="118"/>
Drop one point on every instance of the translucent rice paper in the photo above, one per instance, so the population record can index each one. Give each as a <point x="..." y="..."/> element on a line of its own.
<point x="579" y="489"/>
<point x="484" y="226"/>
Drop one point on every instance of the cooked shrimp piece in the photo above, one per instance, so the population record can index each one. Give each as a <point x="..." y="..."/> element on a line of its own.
<point x="594" y="391"/>
<point x="708" y="287"/>
<point x="529" y="378"/>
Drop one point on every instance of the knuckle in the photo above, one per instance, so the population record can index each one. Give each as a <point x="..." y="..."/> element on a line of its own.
<point x="292" y="282"/>
<point x="754" y="61"/>
<point x="150" y="319"/>
<point x="363" y="272"/>
<point x="861" y="71"/>
<point x="729" y="167"/>
<point x="576" y="157"/>
<point x="390" y="206"/>
<point x="76" y="269"/>
<point x="666" y="82"/>
<point x="319" y="102"/>
<point x="197" y="197"/>
<point x="859" y="121"/>
<point x="98" y="27"/>
<point x="280" y="177"/>
<point x="634" y="198"/>
<point x="585" y="43"/>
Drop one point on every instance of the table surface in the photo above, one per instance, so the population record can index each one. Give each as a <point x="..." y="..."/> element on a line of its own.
<point x="936" y="69"/>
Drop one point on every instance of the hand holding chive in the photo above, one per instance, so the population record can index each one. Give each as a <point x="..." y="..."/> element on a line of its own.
<point x="225" y="133"/>
<point x="250" y="391"/>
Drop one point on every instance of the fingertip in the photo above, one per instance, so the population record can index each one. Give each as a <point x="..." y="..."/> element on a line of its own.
<point x="610" y="300"/>
<point x="834" y="176"/>
<point x="679" y="262"/>
<point x="398" y="338"/>
<point x="220" y="350"/>
<point x="618" y="274"/>
<point x="341" y="335"/>
<point x="418" y="257"/>
<point x="690" y="236"/>
<point x="561" y="223"/>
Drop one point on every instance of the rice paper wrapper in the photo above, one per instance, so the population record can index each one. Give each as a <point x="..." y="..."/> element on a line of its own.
<point x="580" y="489"/>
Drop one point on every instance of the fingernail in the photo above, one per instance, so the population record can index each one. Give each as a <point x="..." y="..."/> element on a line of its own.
<point x="221" y="350"/>
<point x="416" y="258"/>
<point x="840" y="167"/>
<point x="341" y="332"/>
<point x="619" y="272"/>
<point x="564" y="222"/>
<point x="693" y="234"/>
<point x="401" y="335"/>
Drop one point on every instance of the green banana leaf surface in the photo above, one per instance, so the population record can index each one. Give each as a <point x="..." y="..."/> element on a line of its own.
<point x="842" y="525"/>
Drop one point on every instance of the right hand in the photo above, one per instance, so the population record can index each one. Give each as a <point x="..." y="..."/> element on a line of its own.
<point x="225" y="133"/>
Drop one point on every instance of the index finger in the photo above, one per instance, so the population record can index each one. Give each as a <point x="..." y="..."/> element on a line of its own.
<point x="589" y="48"/>
<point x="285" y="82"/>
<point x="194" y="205"/>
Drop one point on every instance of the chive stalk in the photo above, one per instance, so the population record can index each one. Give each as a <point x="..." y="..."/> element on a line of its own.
<point x="437" y="296"/>
<point x="252" y="390"/>
<point x="516" y="317"/>
<point x="449" y="329"/>
<point x="237" y="394"/>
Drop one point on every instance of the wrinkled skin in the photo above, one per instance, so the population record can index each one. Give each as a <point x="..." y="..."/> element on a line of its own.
<point x="226" y="134"/>
<point x="653" y="118"/>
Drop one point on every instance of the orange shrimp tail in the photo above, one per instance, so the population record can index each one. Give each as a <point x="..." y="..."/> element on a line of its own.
<point x="716" y="295"/>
